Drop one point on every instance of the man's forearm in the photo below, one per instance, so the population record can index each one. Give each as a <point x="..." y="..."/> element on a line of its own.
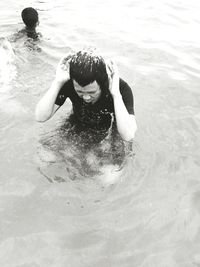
<point x="126" y="123"/>
<point x="45" y="107"/>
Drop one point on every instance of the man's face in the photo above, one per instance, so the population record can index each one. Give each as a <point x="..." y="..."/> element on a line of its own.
<point x="89" y="93"/>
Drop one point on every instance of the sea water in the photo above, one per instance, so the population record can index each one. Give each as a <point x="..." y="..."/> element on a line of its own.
<point x="59" y="208"/>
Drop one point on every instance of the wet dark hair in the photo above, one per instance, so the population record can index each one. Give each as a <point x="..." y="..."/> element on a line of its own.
<point x="87" y="67"/>
<point x="29" y="17"/>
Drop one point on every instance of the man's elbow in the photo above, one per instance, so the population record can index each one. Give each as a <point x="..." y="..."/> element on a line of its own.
<point x="40" y="117"/>
<point x="130" y="135"/>
<point x="40" y="120"/>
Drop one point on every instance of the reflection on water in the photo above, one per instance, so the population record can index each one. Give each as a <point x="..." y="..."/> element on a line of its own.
<point x="68" y="201"/>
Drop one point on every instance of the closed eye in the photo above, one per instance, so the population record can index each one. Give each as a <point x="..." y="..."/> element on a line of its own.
<point x="88" y="93"/>
<point x="84" y="93"/>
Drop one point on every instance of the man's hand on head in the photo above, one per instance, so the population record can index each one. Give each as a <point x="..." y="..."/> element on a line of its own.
<point x="113" y="77"/>
<point x="62" y="71"/>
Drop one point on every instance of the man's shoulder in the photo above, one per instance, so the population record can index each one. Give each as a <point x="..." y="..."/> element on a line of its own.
<point x="67" y="88"/>
<point x="127" y="96"/>
<point x="17" y="35"/>
<point x="68" y="84"/>
<point x="65" y="91"/>
<point x="124" y="85"/>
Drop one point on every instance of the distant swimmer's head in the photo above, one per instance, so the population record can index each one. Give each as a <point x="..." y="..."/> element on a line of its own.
<point x="87" y="67"/>
<point x="30" y="17"/>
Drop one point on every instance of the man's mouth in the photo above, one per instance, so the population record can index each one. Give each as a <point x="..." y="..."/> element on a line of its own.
<point x="87" y="99"/>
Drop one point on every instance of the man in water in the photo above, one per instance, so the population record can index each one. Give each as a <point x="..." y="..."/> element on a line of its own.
<point x="100" y="99"/>
<point x="30" y="18"/>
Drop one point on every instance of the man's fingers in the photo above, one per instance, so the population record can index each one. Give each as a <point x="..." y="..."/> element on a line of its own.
<point x="112" y="67"/>
<point x="109" y="68"/>
<point x="64" y="61"/>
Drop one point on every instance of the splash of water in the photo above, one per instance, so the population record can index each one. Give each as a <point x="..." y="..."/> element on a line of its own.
<point x="7" y="67"/>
